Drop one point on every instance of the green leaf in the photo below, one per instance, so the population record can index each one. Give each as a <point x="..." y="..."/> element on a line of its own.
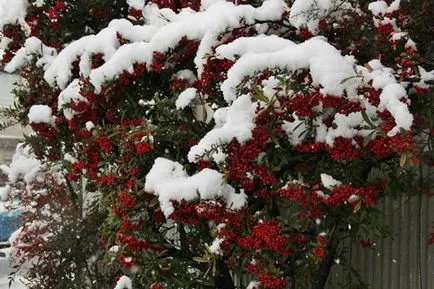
<point x="367" y="119"/>
<point x="201" y="259"/>
<point x="368" y="138"/>
<point x="259" y="94"/>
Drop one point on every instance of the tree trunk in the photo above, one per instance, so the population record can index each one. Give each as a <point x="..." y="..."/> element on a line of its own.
<point x="224" y="279"/>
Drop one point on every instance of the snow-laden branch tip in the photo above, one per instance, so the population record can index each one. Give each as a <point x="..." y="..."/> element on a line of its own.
<point x="170" y="182"/>
<point x="124" y="283"/>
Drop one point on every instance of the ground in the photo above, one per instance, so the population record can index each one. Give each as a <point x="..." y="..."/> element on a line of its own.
<point x="4" y="271"/>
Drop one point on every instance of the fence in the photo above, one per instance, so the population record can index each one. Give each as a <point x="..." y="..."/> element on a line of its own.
<point x="404" y="262"/>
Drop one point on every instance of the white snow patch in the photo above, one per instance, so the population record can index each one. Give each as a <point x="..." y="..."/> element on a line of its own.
<point x="185" y="98"/>
<point x="70" y="93"/>
<point x="258" y="44"/>
<point x="308" y="13"/>
<point x="32" y="47"/>
<point x="253" y="285"/>
<point x="327" y="67"/>
<point x="169" y="181"/>
<point x="295" y="130"/>
<point x="124" y="283"/>
<point x="12" y="11"/>
<point x="203" y="25"/>
<point x="40" y="114"/>
<point x="214" y="248"/>
<point x="329" y="182"/>
<point x="235" y="121"/>
<point x="89" y="125"/>
<point x="353" y="198"/>
<point x="24" y="165"/>
<point x="136" y="4"/>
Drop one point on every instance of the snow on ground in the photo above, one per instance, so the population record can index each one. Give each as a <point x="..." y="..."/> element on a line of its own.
<point x="4" y="283"/>
<point x="5" y="270"/>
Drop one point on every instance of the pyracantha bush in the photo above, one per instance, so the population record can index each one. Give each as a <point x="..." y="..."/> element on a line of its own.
<point x="220" y="141"/>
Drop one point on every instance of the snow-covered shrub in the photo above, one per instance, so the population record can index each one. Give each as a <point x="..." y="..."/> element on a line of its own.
<point x="222" y="140"/>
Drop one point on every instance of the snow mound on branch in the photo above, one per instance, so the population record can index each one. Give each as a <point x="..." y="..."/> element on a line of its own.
<point x="259" y="44"/>
<point x="136" y="4"/>
<point x="294" y="130"/>
<point x="11" y="12"/>
<point x="60" y="70"/>
<point x="327" y="67"/>
<point x="24" y="165"/>
<point x="329" y="182"/>
<point x="70" y="93"/>
<point x="391" y="95"/>
<point x="40" y="114"/>
<point x="124" y="283"/>
<point x="253" y="285"/>
<point x="122" y="60"/>
<point x="169" y="181"/>
<point x="335" y="74"/>
<point x="235" y="121"/>
<point x="32" y="47"/>
<point x="204" y="26"/>
<point x="185" y="98"/>
<point x="382" y="8"/>
<point x="156" y="36"/>
<point x="308" y="13"/>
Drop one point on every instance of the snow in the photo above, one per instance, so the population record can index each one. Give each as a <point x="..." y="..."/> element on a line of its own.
<point x="24" y="165"/>
<point x="4" y="191"/>
<point x="204" y="26"/>
<point x="105" y="42"/>
<point x="114" y="249"/>
<point x="68" y="157"/>
<point x="169" y="181"/>
<point x="381" y="7"/>
<point x="39" y="3"/>
<point x="410" y="44"/>
<point x="89" y="125"/>
<point x="389" y="99"/>
<point x="59" y="73"/>
<point x="294" y="130"/>
<point x="124" y="283"/>
<point x="235" y="121"/>
<point x="18" y="282"/>
<point x="40" y="114"/>
<point x="253" y="285"/>
<point x="32" y="47"/>
<point x="70" y="93"/>
<point x="378" y="7"/>
<point x="11" y="12"/>
<point x="353" y="198"/>
<point x="308" y="13"/>
<point x="187" y="75"/>
<point x="259" y="44"/>
<point x="382" y="78"/>
<point x="346" y="126"/>
<point x="136" y="4"/>
<point x="122" y="60"/>
<point x="327" y="66"/>
<point x="303" y="12"/>
<point x="214" y="248"/>
<point x="185" y="98"/>
<point x="426" y="75"/>
<point x="321" y="194"/>
<point x="329" y="182"/>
